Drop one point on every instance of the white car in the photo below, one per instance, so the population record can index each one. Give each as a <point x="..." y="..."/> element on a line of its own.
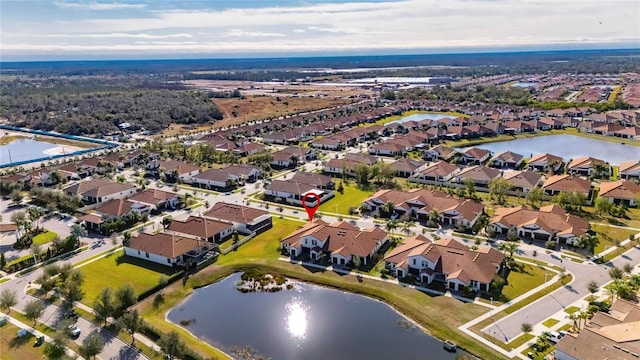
<point x="74" y="332"/>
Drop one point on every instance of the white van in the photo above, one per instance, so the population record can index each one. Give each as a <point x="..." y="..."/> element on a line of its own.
<point x="554" y="336"/>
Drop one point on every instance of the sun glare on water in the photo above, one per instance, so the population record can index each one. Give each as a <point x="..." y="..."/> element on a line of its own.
<point x="296" y="321"/>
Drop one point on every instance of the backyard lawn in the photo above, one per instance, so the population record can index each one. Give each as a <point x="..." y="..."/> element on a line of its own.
<point x="264" y="245"/>
<point x="115" y="270"/>
<point x="44" y="238"/>
<point x="341" y="203"/>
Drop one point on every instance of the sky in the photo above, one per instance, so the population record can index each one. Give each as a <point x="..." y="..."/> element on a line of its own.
<point x="65" y="29"/>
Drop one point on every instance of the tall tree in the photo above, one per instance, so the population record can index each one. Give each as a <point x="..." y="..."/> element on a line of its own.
<point x="171" y="345"/>
<point x="470" y="188"/>
<point x="92" y="345"/>
<point x="8" y="298"/>
<point x="535" y="196"/>
<point x="124" y="297"/>
<point x="498" y="188"/>
<point x="526" y="328"/>
<point x="130" y="322"/>
<point x="103" y="306"/>
<point x="33" y="310"/>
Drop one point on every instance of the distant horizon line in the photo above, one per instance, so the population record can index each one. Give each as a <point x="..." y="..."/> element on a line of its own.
<point x="551" y="48"/>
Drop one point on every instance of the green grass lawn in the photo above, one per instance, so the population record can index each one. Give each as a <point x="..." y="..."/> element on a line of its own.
<point x="44" y="238"/>
<point x="519" y="282"/>
<point x="519" y="341"/>
<point x="13" y="347"/>
<point x="550" y="322"/>
<point x="342" y="202"/>
<point x="264" y="245"/>
<point x="571" y="309"/>
<point x="115" y="270"/>
<point x="609" y="235"/>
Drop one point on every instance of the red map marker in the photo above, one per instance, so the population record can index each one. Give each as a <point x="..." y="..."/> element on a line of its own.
<point x="311" y="210"/>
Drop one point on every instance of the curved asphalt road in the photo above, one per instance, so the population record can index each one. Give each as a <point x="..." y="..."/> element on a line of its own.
<point x="506" y="329"/>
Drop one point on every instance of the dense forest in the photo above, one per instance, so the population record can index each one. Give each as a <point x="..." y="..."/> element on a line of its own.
<point x="98" y="106"/>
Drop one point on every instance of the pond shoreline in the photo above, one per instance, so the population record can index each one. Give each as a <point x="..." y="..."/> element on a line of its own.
<point x="320" y="301"/>
<point x="221" y="273"/>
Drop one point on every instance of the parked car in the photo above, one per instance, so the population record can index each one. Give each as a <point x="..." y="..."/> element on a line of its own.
<point x="73" y="331"/>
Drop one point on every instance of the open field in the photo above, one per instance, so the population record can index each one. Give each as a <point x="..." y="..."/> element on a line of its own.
<point x="258" y="107"/>
<point x="341" y="203"/>
<point x="115" y="270"/>
<point x="13" y="347"/>
<point x="609" y="235"/>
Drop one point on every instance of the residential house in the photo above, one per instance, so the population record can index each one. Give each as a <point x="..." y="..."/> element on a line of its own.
<point x="292" y="156"/>
<point x="507" y="159"/>
<point x="629" y="169"/>
<point x="113" y="209"/>
<point x="167" y="249"/>
<point x="480" y="175"/>
<point x="201" y="228"/>
<point x="291" y="192"/>
<point x="620" y="192"/>
<point x="567" y="183"/>
<point x="447" y="261"/>
<point x="406" y="167"/>
<point x="99" y="190"/>
<point x="214" y="179"/>
<point x="522" y="181"/>
<point x="419" y="203"/>
<point x="587" y="165"/>
<point x="318" y="180"/>
<point x="545" y="162"/>
<point x="439" y="152"/>
<point x="245" y="219"/>
<point x="173" y="170"/>
<point x="438" y="172"/>
<point x="630" y="132"/>
<point x="607" y="335"/>
<point x="348" y="164"/>
<point x="341" y="242"/>
<point x="156" y="199"/>
<point x="549" y="223"/>
<point x="474" y="155"/>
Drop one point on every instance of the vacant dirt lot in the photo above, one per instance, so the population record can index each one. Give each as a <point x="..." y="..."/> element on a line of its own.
<point x="267" y="100"/>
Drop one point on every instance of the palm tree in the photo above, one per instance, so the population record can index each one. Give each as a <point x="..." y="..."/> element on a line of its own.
<point x="575" y="318"/>
<point x="391" y="225"/>
<point x="34" y="215"/>
<point x="407" y="225"/>
<point x="78" y="231"/>
<point x="508" y="246"/>
<point x="388" y="208"/>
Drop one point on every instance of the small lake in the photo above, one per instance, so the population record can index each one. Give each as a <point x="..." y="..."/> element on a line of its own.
<point x="568" y="147"/>
<point x="24" y="150"/>
<point x="524" y="84"/>
<point x="309" y="322"/>
<point x="422" y="116"/>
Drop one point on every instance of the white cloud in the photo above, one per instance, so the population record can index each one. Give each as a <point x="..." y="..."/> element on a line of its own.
<point x="406" y="24"/>
<point x="96" y="6"/>
<point x="242" y="33"/>
<point x="120" y="35"/>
